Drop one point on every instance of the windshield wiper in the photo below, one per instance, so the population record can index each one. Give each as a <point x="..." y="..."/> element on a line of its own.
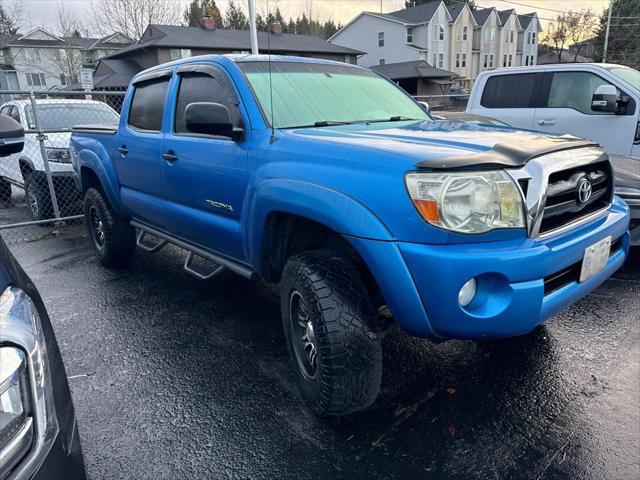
<point x="330" y="123"/>
<point x="396" y="118"/>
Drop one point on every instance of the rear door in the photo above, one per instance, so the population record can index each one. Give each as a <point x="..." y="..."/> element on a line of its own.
<point x="205" y="175"/>
<point x="138" y="157"/>
<point x="9" y="166"/>
<point x="511" y="98"/>
<point x="566" y="108"/>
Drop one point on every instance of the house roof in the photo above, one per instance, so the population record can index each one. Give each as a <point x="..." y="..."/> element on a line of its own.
<point x="115" y="73"/>
<point x="53" y="41"/>
<point x="505" y="14"/>
<point x="172" y="36"/>
<point x="526" y="19"/>
<point x="416" y="69"/>
<point x="481" y="16"/>
<point x="552" y="57"/>
<point x="455" y="9"/>
<point x="418" y="14"/>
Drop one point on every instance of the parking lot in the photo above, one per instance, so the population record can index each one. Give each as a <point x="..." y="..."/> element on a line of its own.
<point x="177" y="378"/>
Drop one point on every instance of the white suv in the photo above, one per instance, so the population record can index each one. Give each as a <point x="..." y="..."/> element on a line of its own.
<point x="600" y="102"/>
<point x="26" y="169"/>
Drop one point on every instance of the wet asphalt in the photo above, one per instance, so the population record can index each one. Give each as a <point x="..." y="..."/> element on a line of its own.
<point x="174" y="378"/>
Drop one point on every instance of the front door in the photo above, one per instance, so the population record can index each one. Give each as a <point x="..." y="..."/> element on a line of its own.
<point x="138" y="152"/>
<point x="205" y="175"/>
<point x="567" y="109"/>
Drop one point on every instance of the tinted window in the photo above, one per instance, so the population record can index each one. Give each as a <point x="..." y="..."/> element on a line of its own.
<point x="6" y="110"/>
<point x="15" y="114"/>
<point x="511" y="91"/>
<point x="574" y="90"/>
<point x="200" y="87"/>
<point x="148" y="103"/>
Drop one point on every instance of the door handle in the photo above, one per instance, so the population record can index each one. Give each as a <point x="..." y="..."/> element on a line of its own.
<point x="123" y="150"/>
<point x="546" y="122"/>
<point x="170" y="156"/>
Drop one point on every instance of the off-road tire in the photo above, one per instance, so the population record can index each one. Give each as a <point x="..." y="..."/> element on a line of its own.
<point x="5" y="192"/>
<point x="38" y="198"/>
<point x="349" y="354"/>
<point x="118" y="242"/>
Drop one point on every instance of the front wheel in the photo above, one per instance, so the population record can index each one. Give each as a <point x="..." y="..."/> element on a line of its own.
<point x="38" y="198"/>
<point x="329" y="327"/>
<point x="112" y="237"/>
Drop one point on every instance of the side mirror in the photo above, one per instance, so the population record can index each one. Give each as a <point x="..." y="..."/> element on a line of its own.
<point x="11" y="136"/>
<point x="604" y="99"/>
<point x="210" y="119"/>
<point x="425" y="106"/>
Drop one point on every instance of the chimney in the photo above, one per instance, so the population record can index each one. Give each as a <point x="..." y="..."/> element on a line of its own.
<point x="208" y="23"/>
<point x="276" y="28"/>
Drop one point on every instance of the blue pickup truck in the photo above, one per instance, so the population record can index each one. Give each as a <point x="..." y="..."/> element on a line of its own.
<point x="327" y="179"/>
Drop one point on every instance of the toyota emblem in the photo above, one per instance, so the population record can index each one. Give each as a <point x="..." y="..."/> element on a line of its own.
<point x="584" y="190"/>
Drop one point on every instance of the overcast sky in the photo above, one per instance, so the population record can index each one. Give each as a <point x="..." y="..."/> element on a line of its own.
<point x="41" y="12"/>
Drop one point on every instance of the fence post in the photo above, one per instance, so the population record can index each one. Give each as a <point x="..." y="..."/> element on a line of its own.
<point x="43" y="151"/>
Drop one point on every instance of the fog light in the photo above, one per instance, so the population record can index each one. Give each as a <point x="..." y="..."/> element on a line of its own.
<point x="467" y="292"/>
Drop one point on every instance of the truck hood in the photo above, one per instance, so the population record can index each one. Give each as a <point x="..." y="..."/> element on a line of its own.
<point x="56" y="139"/>
<point x="448" y="145"/>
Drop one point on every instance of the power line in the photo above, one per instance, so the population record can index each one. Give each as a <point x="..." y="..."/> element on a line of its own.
<point x="547" y="9"/>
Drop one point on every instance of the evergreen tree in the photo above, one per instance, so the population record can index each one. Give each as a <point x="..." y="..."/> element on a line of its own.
<point x="199" y="9"/>
<point x="235" y="17"/>
<point x="624" y="34"/>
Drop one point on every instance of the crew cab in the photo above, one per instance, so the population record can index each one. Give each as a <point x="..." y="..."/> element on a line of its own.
<point x="329" y="180"/>
<point x="597" y="101"/>
<point x="54" y="119"/>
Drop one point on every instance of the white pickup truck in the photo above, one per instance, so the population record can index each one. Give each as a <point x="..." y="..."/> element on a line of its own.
<point x="597" y="101"/>
<point x="26" y="169"/>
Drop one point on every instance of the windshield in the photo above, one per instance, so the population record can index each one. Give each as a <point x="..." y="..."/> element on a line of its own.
<point x="63" y="116"/>
<point x="311" y="94"/>
<point x="627" y="74"/>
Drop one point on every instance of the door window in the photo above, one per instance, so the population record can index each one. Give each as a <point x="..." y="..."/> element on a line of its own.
<point x="510" y="91"/>
<point x="202" y="87"/>
<point x="148" y="104"/>
<point x="15" y="114"/>
<point x="574" y="90"/>
<point x="6" y="110"/>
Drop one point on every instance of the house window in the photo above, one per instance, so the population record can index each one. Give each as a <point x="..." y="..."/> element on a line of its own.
<point x="532" y="61"/>
<point x="435" y="32"/>
<point x="457" y="60"/>
<point x="526" y="61"/>
<point x="504" y="61"/>
<point x="178" y="53"/>
<point x="489" y="35"/>
<point x="465" y="32"/>
<point x="32" y="55"/>
<point x="528" y="38"/>
<point x="63" y="79"/>
<point x="459" y="33"/>
<point x="435" y="60"/>
<point x="382" y="61"/>
<point x="441" y="30"/>
<point x="486" y="61"/>
<point x="409" y="35"/>
<point x="441" y="60"/>
<point x="381" y="39"/>
<point x="464" y="60"/>
<point x="510" y="60"/>
<point x="533" y="38"/>
<point x="36" y="80"/>
<point x="491" y="61"/>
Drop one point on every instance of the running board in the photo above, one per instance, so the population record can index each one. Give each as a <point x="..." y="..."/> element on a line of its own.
<point x="193" y="251"/>
<point x="147" y="247"/>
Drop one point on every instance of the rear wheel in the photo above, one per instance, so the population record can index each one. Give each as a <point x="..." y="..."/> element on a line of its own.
<point x="329" y="327"/>
<point x="38" y="198"/>
<point x="113" y="239"/>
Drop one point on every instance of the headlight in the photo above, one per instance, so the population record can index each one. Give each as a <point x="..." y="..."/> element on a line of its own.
<point x="59" y="155"/>
<point x="16" y="423"/>
<point x="467" y="202"/>
<point x="27" y="397"/>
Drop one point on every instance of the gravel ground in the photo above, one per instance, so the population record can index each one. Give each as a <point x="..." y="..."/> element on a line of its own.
<point x="174" y="378"/>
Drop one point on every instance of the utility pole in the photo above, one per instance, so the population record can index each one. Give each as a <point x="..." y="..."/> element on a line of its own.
<point x="606" y="35"/>
<point x="252" y="27"/>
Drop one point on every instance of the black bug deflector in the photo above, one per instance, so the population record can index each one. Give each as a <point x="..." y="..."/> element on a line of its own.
<point x="509" y="155"/>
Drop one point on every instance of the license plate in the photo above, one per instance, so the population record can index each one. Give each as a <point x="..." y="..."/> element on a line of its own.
<point x="595" y="258"/>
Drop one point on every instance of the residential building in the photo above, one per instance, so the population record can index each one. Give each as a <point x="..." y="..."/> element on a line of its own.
<point x="508" y="38"/>
<point x="412" y="34"/>
<point x="164" y="43"/>
<point x="528" y="39"/>
<point x="565" y="57"/>
<point x="486" y="40"/>
<point x="585" y="48"/>
<point x="40" y="60"/>
<point x="461" y="33"/>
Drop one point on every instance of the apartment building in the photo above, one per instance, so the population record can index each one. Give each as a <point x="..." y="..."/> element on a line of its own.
<point x="40" y="60"/>
<point x="451" y="38"/>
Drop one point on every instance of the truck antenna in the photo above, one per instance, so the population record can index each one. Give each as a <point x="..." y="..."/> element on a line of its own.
<point x="273" y="130"/>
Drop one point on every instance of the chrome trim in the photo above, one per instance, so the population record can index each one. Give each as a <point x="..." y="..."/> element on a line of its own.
<point x="18" y="444"/>
<point x="537" y="172"/>
<point x="20" y="325"/>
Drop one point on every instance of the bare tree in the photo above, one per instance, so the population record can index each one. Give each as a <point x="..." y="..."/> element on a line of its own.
<point x="68" y="59"/>
<point x="570" y="28"/>
<point x="11" y="16"/>
<point x="132" y="17"/>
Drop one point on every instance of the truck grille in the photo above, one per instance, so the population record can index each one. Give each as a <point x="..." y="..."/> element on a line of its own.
<point x="575" y="193"/>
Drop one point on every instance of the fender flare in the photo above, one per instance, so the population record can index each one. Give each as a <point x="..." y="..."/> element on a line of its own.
<point x="331" y="208"/>
<point x="108" y="180"/>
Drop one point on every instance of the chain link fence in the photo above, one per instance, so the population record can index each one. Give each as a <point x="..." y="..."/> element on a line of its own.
<point x="445" y="103"/>
<point x="38" y="193"/>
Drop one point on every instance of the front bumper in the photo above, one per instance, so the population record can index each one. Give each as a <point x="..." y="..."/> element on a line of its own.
<point x="511" y="280"/>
